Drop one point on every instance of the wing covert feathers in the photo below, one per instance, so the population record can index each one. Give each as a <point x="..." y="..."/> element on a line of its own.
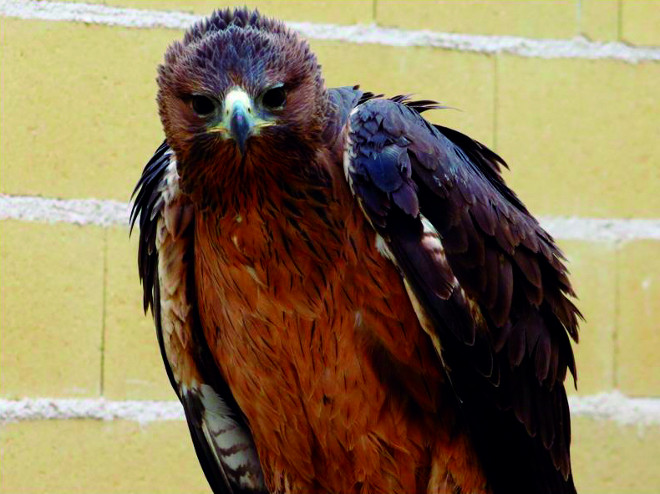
<point x="491" y="280"/>
<point x="222" y="440"/>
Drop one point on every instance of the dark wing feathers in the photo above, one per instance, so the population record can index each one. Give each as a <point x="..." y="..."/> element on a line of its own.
<point x="147" y="204"/>
<point x="342" y="100"/>
<point x="219" y="433"/>
<point x="508" y="357"/>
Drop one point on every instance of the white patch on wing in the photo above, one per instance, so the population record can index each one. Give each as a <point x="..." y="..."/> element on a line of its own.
<point x="432" y="241"/>
<point x="232" y="446"/>
<point x="428" y="226"/>
<point x="424" y="320"/>
<point x="384" y="249"/>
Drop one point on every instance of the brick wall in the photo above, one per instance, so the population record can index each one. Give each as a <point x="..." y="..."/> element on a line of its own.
<point x="576" y="119"/>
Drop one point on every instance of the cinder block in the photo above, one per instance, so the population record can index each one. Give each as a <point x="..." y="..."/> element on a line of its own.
<point x="52" y="309"/>
<point x="599" y="19"/>
<point x="322" y="11"/>
<point x="84" y="456"/>
<point x="610" y="457"/>
<point x="536" y="19"/>
<point x="133" y="368"/>
<point x="639" y="318"/>
<point x="124" y="457"/>
<point x="88" y="132"/>
<point x="79" y="117"/>
<point x="639" y="22"/>
<point x="593" y="274"/>
<point x="581" y="136"/>
<point x="464" y="81"/>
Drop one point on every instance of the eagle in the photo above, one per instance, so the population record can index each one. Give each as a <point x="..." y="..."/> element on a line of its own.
<point x="347" y="297"/>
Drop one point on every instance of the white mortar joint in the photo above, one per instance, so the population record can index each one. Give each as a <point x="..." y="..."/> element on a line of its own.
<point x="613" y="406"/>
<point x="114" y="213"/>
<point x="578" y="47"/>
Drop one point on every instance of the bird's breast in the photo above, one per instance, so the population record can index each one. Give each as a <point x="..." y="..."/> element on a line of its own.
<point x="317" y="339"/>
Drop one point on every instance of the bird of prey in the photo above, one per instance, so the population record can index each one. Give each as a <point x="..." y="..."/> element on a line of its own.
<point x="347" y="298"/>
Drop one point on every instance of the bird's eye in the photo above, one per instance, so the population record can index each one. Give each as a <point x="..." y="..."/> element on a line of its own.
<point x="274" y="98"/>
<point x="202" y="105"/>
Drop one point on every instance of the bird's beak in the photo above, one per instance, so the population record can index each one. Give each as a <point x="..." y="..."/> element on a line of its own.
<point x="238" y="117"/>
<point x="240" y="124"/>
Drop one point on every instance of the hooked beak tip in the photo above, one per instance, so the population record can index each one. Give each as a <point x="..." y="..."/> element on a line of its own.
<point x="240" y="125"/>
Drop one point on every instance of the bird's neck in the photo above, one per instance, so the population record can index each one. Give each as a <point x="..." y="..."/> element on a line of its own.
<point x="290" y="242"/>
<point x="226" y="183"/>
<point x="300" y="204"/>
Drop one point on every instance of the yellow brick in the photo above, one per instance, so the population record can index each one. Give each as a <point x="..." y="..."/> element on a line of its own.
<point x="84" y="456"/>
<point x="322" y="11"/>
<point x="581" y="136"/>
<point x="87" y="132"/>
<point x="593" y="274"/>
<point x="533" y="18"/>
<point x="79" y="117"/>
<point x="133" y="366"/>
<point x="123" y="457"/>
<point x="639" y="315"/>
<point x="608" y="457"/>
<point x="599" y="19"/>
<point x="461" y="80"/>
<point x="639" y="21"/>
<point x="52" y="305"/>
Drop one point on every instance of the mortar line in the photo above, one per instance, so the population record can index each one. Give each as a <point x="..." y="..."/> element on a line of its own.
<point x="105" y="212"/>
<point x="610" y="406"/>
<point x="578" y="16"/>
<point x="578" y="47"/>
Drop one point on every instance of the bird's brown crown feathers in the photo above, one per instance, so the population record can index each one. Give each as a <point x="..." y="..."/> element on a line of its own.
<point x="239" y="48"/>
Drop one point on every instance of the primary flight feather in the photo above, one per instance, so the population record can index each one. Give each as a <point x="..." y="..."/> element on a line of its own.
<point x="347" y="298"/>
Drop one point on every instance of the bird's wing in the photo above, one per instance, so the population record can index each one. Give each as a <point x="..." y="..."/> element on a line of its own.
<point x="487" y="282"/>
<point x="342" y="100"/>
<point x="222" y="440"/>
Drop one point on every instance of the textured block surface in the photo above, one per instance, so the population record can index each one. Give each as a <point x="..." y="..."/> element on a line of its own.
<point x="609" y="457"/>
<point x="593" y="273"/>
<point x="576" y="146"/>
<point x="85" y="456"/>
<point x="324" y="11"/>
<point x="124" y="457"/>
<point x="86" y="119"/>
<point x="51" y="309"/>
<point x="133" y="368"/>
<point x="639" y="22"/>
<point x="79" y="120"/>
<point x="599" y="19"/>
<point x="639" y="318"/>
<point x="464" y="81"/>
<point x="536" y="19"/>
<point x="88" y="132"/>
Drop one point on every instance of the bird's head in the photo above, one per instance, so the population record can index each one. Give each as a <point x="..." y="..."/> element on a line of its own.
<point x="240" y="88"/>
